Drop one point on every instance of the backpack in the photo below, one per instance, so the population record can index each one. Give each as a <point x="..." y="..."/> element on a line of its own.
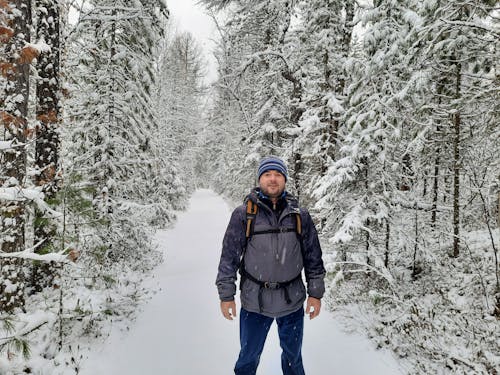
<point x="251" y="213"/>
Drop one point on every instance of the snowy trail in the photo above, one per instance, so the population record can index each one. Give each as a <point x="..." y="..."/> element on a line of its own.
<point x="181" y="331"/>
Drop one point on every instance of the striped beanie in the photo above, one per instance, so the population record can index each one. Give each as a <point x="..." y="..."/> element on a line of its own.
<point x="272" y="163"/>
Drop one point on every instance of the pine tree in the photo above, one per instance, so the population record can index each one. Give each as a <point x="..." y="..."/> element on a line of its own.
<point x="114" y="150"/>
<point x="323" y="45"/>
<point x="180" y="101"/>
<point x="362" y="182"/>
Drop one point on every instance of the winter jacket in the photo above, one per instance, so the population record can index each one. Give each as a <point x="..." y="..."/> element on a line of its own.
<point x="271" y="257"/>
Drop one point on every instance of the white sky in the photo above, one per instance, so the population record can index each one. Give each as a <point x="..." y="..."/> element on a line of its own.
<point x="187" y="15"/>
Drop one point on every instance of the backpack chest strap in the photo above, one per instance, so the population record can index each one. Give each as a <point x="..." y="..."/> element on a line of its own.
<point x="275" y="230"/>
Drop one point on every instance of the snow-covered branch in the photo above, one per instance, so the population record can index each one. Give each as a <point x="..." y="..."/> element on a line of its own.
<point x="29" y="253"/>
<point x="17" y="194"/>
<point x="36" y="321"/>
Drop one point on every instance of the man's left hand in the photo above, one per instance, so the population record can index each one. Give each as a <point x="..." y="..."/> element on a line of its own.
<point x="313" y="307"/>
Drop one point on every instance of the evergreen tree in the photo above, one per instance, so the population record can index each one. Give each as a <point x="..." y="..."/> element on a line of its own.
<point x="115" y="151"/>
<point x="322" y="45"/>
<point x="180" y="101"/>
<point x="362" y="181"/>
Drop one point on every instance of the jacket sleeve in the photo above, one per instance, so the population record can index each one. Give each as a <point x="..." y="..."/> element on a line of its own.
<point x="232" y="247"/>
<point x="313" y="263"/>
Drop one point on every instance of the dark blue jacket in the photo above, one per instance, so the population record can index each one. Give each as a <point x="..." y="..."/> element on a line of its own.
<point x="272" y="257"/>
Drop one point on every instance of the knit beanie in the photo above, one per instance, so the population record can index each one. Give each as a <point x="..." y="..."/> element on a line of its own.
<point x="272" y="163"/>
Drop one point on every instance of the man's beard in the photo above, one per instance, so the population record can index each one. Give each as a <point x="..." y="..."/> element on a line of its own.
<point x="266" y="192"/>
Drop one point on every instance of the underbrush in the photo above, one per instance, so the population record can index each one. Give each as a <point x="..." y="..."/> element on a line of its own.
<point x="443" y="320"/>
<point x="54" y="335"/>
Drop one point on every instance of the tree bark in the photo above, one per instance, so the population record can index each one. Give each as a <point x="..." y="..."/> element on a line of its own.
<point x="48" y="142"/>
<point x="387" y="242"/>
<point x="456" y="169"/>
<point x="14" y="118"/>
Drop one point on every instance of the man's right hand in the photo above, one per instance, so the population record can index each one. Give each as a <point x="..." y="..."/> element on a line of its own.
<point x="228" y="309"/>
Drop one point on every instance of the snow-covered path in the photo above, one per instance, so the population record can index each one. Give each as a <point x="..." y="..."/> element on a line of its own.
<point x="181" y="330"/>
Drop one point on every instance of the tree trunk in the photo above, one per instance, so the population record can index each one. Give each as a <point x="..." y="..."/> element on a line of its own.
<point x="387" y="242"/>
<point x="456" y="171"/>
<point x="296" y="173"/>
<point x="48" y="143"/>
<point x="456" y="185"/>
<point x="14" y="118"/>
<point x="415" y="269"/>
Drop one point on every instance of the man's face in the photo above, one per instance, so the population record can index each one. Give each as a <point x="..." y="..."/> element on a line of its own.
<point x="272" y="183"/>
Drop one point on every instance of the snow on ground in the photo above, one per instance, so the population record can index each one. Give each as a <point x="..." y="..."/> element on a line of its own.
<point x="182" y="332"/>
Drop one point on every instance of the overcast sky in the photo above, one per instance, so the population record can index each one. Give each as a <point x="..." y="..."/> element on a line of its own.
<point x="188" y="16"/>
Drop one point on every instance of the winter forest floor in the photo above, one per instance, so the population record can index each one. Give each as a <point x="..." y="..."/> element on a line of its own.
<point x="181" y="331"/>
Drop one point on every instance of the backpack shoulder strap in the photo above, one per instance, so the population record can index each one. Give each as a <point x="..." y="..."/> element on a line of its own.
<point x="251" y="213"/>
<point x="298" y="222"/>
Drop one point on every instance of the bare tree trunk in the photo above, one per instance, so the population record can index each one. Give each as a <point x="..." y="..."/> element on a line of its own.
<point x="456" y="171"/>
<point x="437" y="162"/>
<point x="48" y="143"/>
<point x="415" y="270"/>
<point x="14" y="119"/>
<point x="367" y="233"/>
<point x="435" y="187"/>
<point x="296" y="173"/>
<point x="387" y="242"/>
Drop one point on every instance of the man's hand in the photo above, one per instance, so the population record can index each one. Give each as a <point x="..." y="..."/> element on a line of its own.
<point x="313" y="307"/>
<point x="228" y="309"/>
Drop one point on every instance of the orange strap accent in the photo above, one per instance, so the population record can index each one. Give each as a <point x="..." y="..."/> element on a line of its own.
<point x="251" y="212"/>
<point x="299" y="224"/>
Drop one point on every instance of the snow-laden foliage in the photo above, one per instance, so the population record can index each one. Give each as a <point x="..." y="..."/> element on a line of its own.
<point x="113" y="126"/>
<point x="392" y="141"/>
<point x="386" y="112"/>
<point x="254" y="71"/>
<point x="180" y="100"/>
<point x="119" y="179"/>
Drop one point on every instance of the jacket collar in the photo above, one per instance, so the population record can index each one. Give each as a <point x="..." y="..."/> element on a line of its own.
<point x="257" y="196"/>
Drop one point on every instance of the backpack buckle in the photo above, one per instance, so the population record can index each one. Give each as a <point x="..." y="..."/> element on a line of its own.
<point x="271" y="285"/>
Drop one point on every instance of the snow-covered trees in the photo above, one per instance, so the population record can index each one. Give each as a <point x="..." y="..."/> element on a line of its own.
<point x="89" y="162"/>
<point x="114" y="127"/>
<point x="180" y="100"/>
<point x="386" y="111"/>
<point x="323" y="38"/>
<point x="256" y="87"/>
<point x="392" y="124"/>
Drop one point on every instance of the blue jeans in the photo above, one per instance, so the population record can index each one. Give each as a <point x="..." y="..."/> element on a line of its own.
<point x="253" y="332"/>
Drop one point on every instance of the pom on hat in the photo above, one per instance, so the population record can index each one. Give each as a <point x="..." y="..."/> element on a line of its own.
<point x="272" y="163"/>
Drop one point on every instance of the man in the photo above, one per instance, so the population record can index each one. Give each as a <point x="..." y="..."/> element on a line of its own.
<point x="270" y="240"/>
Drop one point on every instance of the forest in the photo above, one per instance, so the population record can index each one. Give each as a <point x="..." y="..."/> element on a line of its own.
<point x="386" y="112"/>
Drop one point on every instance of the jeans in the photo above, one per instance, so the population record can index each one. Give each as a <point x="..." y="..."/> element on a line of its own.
<point x="253" y="332"/>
